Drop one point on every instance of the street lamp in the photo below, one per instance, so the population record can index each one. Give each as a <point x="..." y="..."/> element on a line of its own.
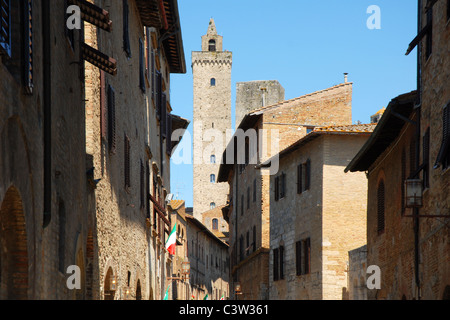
<point x="413" y="193"/>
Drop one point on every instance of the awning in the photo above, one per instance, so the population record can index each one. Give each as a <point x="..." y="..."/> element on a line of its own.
<point x="99" y="59"/>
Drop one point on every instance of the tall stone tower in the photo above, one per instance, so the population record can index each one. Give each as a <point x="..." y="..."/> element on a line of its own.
<point x="211" y="70"/>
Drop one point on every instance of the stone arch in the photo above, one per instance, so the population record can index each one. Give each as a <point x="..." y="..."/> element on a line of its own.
<point x="109" y="291"/>
<point x="14" y="277"/>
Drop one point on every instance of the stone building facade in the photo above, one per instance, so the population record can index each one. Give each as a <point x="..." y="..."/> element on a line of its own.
<point x="44" y="220"/>
<point x="209" y="262"/>
<point x="253" y="95"/>
<point x="275" y="127"/>
<point x="317" y="215"/>
<point x="128" y="132"/>
<point x="410" y="243"/>
<point x="181" y="289"/>
<point x="211" y="70"/>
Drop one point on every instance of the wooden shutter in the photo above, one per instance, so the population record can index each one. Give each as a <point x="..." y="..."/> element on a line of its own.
<point x="307" y="253"/>
<point x="300" y="179"/>
<point x="443" y="157"/>
<point x="147" y="189"/>
<point x="126" y="32"/>
<point x="298" y="257"/>
<point x="380" y="206"/>
<point x="275" y="264"/>
<point x="142" y="185"/>
<point x="103" y="108"/>
<point x="308" y="174"/>
<point x="169" y="135"/>
<point x="402" y="182"/>
<point x="5" y="27"/>
<point x="163" y="115"/>
<point x="254" y="238"/>
<point x="283" y="185"/>
<point x="111" y="119"/>
<point x="141" y="65"/>
<point x="276" y="187"/>
<point x="158" y="94"/>
<point x="127" y="168"/>
<point x="28" y="45"/>
<point x="426" y="158"/>
<point x="281" y="253"/>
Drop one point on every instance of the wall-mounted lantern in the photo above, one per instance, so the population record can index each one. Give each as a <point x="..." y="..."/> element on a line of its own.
<point x="413" y="193"/>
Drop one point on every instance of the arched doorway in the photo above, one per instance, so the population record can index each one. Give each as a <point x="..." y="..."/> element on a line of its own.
<point x="110" y="290"/>
<point x="13" y="248"/>
<point x="138" y="291"/>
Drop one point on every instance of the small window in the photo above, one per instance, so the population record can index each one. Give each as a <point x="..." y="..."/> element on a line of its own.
<point x="126" y="34"/>
<point x="212" y="178"/>
<point x="212" y="45"/>
<point x="304" y="177"/>
<point x="212" y="205"/>
<point x="215" y="224"/>
<point x="303" y="256"/>
<point x="213" y="82"/>
<point x="213" y="159"/>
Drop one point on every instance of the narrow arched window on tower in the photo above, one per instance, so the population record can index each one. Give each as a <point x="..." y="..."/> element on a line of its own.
<point x="212" y="45"/>
<point x="213" y="82"/>
<point x="212" y="178"/>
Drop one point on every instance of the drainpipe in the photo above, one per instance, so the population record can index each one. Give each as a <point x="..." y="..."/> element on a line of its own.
<point x="416" y="210"/>
<point x="46" y="7"/>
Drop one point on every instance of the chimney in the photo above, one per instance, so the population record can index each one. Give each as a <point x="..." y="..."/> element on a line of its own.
<point x="345" y="77"/>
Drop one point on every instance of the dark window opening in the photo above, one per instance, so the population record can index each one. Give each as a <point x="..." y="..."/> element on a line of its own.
<point x="212" y="45"/>
<point x="213" y="82"/>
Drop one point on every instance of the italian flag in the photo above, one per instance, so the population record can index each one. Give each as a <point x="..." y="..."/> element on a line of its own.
<point x="171" y="242"/>
<point x="166" y="296"/>
<point x="222" y="297"/>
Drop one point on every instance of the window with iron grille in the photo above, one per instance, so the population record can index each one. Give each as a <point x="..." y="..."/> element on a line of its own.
<point x="380" y="206"/>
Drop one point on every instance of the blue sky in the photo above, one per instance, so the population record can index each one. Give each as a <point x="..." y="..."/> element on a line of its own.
<point x="306" y="46"/>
